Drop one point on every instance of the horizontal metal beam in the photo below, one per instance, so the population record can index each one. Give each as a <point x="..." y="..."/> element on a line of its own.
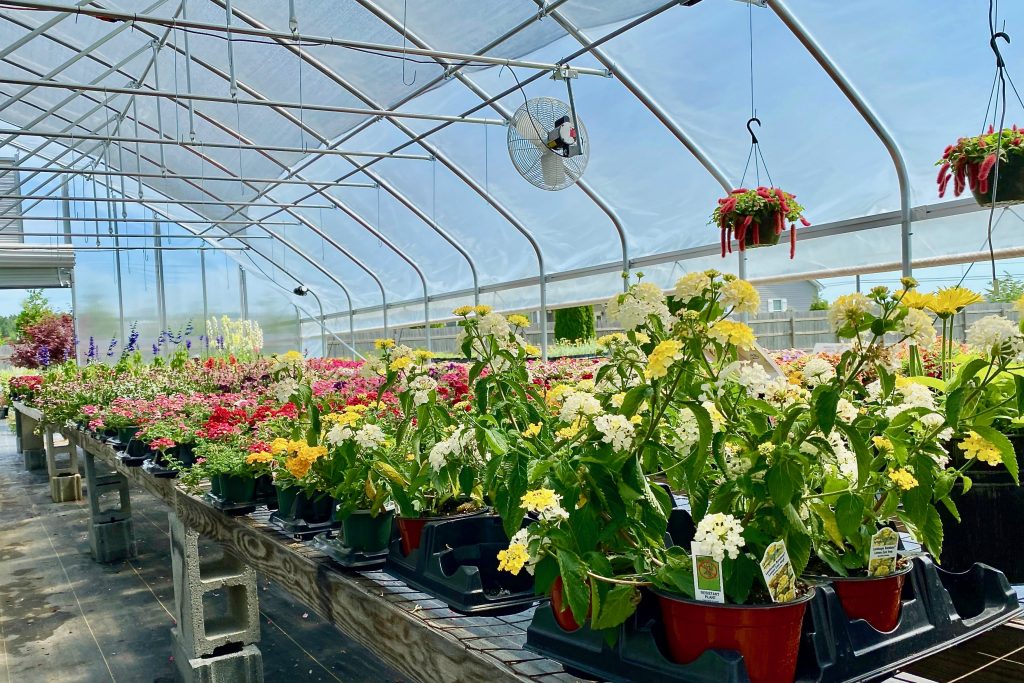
<point x="276" y="104"/>
<point x="111" y="235"/>
<point x="156" y="200"/>
<point x="17" y="132"/>
<point x="74" y="247"/>
<point x="363" y="46"/>
<point x="8" y="219"/>
<point x="57" y="170"/>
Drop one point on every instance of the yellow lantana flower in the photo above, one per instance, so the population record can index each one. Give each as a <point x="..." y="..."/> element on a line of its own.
<point x="279" y="445"/>
<point x="741" y="295"/>
<point x="312" y="453"/>
<point x="1018" y="305"/>
<point x="903" y="478"/>
<point x="533" y="430"/>
<point x="606" y="341"/>
<point x="531" y="350"/>
<point x="381" y="344"/>
<point x="346" y="418"/>
<point x="662" y="357"/>
<point x="554" y="394"/>
<point x="519" y="320"/>
<point x="298" y="467"/>
<point x="400" y="363"/>
<point x="881" y="443"/>
<point x="513" y="559"/>
<point x="950" y="300"/>
<point x="730" y="332"/>
<point x="571" y="431"/>
<point x="976" y="446"/>
<point x="539" y="499"/>
<point x="422" y="355"/>
<point x="259" y="458"/>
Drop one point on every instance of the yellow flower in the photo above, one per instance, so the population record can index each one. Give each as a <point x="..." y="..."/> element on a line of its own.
<point x="555" y="394"/>
<point x="346" y="418"/>
<point x="381" y="344"/>
<point x="482" y="310"/>
<point x="662" y="357"/>
<point x="279" y="445"/>
<point x="422" y="355"/>
<point x="539" y="499"/>
<point x="462" y="311"/>
<point x="608" y="340"/>
<point x="881" y="443"/>
<point x="950" y="300"/>
<point x="295" y="446"/>
<point x="848" y="309"/>
<point x="259" y="458"/>
<point x="312" y="453"/>
<point x="292" y="357"/>
<point x="642" y="338"/>
<point x="903" y="478"/>
<point x="400" y="363"/>
<point x="513" y="559"/>
<point x="519" y="320"/>
<point x="636" y="419"/>
<point x="976" y="446"/>
<point x="742" y="295"/>
<point x="571" y="431"/>
<point x="531" y="350"/>
<point x="912" y="298"/>
<point x="532" y="431"/>
<point x="729" y="332"/>
<point x="618" y="398"/>
<point x="298" y="467"/>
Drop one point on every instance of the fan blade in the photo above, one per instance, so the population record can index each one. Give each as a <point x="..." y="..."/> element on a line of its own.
<point x="530" y="129"/>
<point x="552" y="169"/>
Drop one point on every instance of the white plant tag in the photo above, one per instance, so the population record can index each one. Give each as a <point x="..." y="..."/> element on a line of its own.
<point x="884" y="548"/>
<point x="778" y="573"/>
<point x="707" y="577"/>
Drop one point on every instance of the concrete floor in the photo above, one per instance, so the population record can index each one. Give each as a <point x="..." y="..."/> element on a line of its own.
<point x="67" y="619"/>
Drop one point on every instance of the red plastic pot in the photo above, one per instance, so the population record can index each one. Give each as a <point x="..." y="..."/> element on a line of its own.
<point x="768" y="636"/>
<point x="410" y="529"/>
<point x="560" y="607"/>
<point x="875" y="599"/>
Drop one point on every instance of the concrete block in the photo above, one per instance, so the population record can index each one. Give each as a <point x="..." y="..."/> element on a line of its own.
<point x="35" y="458"/>
<point x="243" y="664"/>
<point x="215" y="601"/>
<point x="28" y="439"/>
<point x="66" y="488"/>
<point x="112" y="541"/>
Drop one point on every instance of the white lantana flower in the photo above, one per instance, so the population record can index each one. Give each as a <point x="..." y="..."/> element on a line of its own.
<point x="577" y="404"/>
<point x="494" y="324"/>
<point x="918" y="327"/>
<point x="369" y="436"/>
<point x="818" y="371"/>
<point x="642" y="300"/>
<point x="719" y="535"/>
<point x="421" y="388"/>
<point x="692" y="285"/>
<point x="616" y="430"/>
<point x="995" y="335"/>
<point x="339" y="434"/>
<point x="284" y="389"/>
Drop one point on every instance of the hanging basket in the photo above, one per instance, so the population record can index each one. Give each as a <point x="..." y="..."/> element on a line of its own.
<point x="1011" y="184"/>
<point x="757" y="218"/>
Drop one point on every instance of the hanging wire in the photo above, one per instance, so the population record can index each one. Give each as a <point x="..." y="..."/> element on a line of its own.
<point x="755" y="153"/>
<point x="405" y="31"/>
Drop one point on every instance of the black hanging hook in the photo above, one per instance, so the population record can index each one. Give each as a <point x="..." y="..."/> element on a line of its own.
<point x="753" y="138"/>
<point x="995" y="48"/>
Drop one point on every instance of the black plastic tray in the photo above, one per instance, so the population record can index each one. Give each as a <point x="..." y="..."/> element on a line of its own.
<point x="300" y="529"/>
<point x="457" y="562"/>
<point x="333" y="545"/>
<point x="159" y="471"/>
<point x="232" y="509"/>
<point x="940" y="609"/>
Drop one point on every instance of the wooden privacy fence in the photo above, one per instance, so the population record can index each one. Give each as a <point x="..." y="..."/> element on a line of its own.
<point x="787" y="330"/>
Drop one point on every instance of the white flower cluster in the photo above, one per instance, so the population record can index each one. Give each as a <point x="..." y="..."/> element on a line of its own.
<point x="522" y="537"/>
<point x="462" y="442"/>
<point x="339" y="434"/>
<point x="687" y="430"/>
<point x="994" y="335"/>
<point x="642" y="300"/>
<point x="421" y="387"/>
<point x="692" y="285"/>
<point x="818" y="371"/>
<point x="719" y="535"/>
<point x="577" y="404"/>
<point x="494" y="324"/>
<point x="616" y="430"/>
<point x="848" y="308"/>
<point x="918" y="327"/>
<point x="284" y="389"/>
<point x="369" y="436"/>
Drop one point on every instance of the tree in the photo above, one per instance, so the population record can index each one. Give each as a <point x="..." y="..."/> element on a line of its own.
<point x="1008" y="291"/>
<point x="34" y="308"/>
<point x="819" y="304"/>
<point x="575" y="324"/>
<point x="48" y="342"/>
<point x="8" y="330"/>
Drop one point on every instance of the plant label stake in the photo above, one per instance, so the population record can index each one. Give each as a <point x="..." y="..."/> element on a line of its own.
<point x="884" y="547"/>
<point x="778" y="573"/>
<point x="707" y="577"/>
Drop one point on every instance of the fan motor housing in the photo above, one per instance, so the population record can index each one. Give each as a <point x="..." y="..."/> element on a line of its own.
<point x="563" y="138"/>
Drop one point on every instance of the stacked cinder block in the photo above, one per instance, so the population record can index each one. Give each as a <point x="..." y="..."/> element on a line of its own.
<point x="29" y="444"/>
<point x="213" y="645"/>
<point x="111" y="534"/>
<point x="65" y="481"/>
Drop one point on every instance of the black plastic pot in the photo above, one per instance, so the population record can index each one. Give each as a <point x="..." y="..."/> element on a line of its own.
<point x="1011" y="183"/>
<point x="990" y="529"/>
<point x="363" y="541"/>
<point x="302" y="515"/>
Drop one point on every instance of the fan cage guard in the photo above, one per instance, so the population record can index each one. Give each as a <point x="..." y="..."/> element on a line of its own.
<point x="526" y="155"/>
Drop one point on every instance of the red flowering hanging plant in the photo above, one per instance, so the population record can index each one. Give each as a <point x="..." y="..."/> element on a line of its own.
<point x="757" y="218"/>
<point x="970" y="163"/>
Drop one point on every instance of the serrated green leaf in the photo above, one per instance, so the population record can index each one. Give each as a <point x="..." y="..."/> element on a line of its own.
<point x="574" y="584"/>
<point x="784" y="479"/>
<point x="825" y="409"/>
<point x="967" y="482"/>
<point x="619" y="603"/>
<point x="954" y="404"/>
<point x="634" y="399"/>
<point x="849" y="513"/>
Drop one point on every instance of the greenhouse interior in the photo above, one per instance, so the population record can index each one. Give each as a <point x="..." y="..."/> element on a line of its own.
<point x="306" y="374"/>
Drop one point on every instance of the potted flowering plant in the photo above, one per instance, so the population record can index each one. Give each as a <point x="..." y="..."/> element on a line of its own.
<point x="757" y="218"/>
<point x="971" y="163"/>
<point x="226" y="463"/>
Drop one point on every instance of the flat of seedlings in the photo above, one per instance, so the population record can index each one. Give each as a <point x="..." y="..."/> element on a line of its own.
<point x="65" y="618"/>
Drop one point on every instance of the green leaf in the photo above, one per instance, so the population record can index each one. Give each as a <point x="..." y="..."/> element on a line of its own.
<point x="825" y="409"/>
<point x="951" y="506"/>
<point x="467" y="477"/>
<point x="739" y="577"/>
<point x="954" y="404"/>
<point x="784" y="478"/>
<point x="496" y="441"/>
<point x="634" y="398"/>
<point x="1018" y="386"/>
<point x="618" y="604"/>
<point x="932" y="533"/>
<point x="849" y="513"/>
<point x="799" y="547"/>
<point x="574" y="584"/>
<point x="999" y="440"/>
<point x="860" y="449"/>
<point x="967" y="481"/>
<point x="968" y="371"/>
<point x="828" y="522"/>
<point x="544" y="574"/>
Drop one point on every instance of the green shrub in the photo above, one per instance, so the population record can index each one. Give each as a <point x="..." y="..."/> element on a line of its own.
<point x="575" y="324"/>
<point x="819" y="304"/>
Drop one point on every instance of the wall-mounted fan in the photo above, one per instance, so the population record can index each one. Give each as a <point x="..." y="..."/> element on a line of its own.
<point x="548" y="144"/>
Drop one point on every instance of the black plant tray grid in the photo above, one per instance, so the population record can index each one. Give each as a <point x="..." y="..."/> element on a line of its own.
<point x="332" y="544"/>
<point x="299" y="528"/>
<point x="159" y="471"/>
<point x="939" y="610"/>
<point x="457" y="562"/>
<point x="229" y="508"/>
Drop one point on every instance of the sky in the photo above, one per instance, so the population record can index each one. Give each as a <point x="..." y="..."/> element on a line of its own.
<point x="10" y="300"/>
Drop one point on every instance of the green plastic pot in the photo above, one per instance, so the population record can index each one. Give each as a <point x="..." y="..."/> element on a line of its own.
<point x="126" y="434"/>
<point x="286" y="499"/>
<point x="368" y="534"/>
<point x="236" y="489"/>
